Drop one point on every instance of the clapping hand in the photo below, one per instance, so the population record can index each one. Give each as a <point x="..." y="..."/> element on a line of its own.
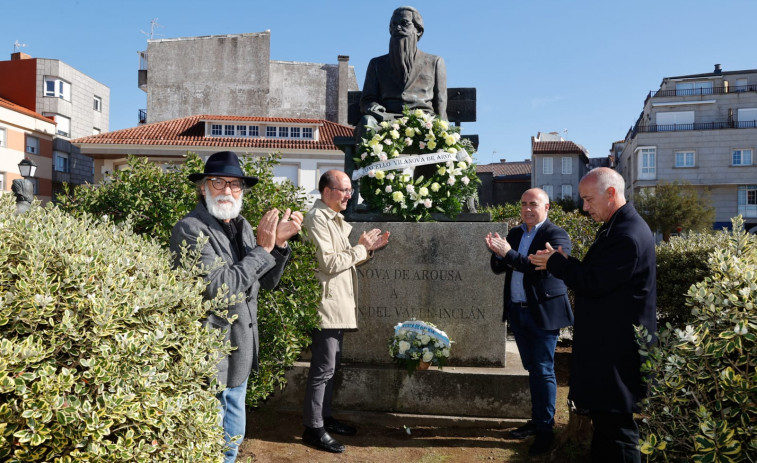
<point x="541" y="257"/>
<point x="373" y="239"/>
<point x="289" y="225"/>
<point x="497" y="244"/>
<point x="266" y="232"/>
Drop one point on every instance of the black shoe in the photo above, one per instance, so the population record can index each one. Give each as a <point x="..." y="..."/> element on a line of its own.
<point x="542" y="444"/>
<point x="335" y="427"/>
<point x="325" y="442"/>
<point x="525" y="431"/>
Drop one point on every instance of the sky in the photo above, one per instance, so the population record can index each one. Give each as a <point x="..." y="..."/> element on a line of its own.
<point x="581" y="68"/>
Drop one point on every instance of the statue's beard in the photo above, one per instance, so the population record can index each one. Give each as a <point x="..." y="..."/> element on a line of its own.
<point x="402" y="54"/>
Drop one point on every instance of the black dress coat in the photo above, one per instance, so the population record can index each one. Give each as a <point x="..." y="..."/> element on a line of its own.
<point x="615" y="288"/>
<point x="547" y="296"/>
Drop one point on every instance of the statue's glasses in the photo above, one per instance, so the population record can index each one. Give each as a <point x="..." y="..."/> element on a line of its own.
<point x="220" y="184"/>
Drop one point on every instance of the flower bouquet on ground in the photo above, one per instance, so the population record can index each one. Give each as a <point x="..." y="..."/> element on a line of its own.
<point x="416" y="345"/>
<point x="392" y="149"/>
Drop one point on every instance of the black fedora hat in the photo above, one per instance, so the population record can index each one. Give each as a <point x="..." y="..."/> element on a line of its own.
<point x="224" y="164"/>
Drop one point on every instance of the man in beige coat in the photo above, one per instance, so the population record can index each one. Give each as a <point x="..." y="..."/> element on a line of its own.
<point x="336" y="272"/>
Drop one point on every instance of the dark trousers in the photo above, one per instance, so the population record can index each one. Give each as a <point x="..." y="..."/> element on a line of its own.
<point x="537" y="352"/>
<point x="327" y="355"/>
<point x="615" y="438"/>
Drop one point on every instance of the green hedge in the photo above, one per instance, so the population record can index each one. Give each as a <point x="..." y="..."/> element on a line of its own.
<point x="102" y="357"/>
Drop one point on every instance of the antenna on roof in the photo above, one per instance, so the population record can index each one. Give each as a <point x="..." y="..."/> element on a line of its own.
<point x="153" y="25"/>
<point x="564" y="131"/>
<point x="17" y="45"/>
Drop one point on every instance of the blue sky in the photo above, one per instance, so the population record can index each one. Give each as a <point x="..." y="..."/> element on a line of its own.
<point x="578" y="67"/>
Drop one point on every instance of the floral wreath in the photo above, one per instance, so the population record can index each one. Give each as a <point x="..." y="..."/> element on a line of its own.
<point x="417" y="344"/>
<point x="394" y="190"/>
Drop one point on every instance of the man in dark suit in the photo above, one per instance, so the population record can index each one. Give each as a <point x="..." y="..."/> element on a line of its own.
<point x="615" y="287"/>
<point x="248" y="264"/>
<point x="537" y="306"/>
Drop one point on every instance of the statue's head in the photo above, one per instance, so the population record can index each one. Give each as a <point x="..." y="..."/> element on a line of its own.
<point x="402" y="18"/>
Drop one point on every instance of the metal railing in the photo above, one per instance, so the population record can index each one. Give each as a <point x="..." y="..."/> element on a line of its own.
<point x="695" y="126"/>
<point x="142" y="116"/>
<point x="703" y="91"/>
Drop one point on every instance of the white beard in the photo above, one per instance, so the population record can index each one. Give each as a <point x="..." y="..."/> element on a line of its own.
<point x="222" y="211"/>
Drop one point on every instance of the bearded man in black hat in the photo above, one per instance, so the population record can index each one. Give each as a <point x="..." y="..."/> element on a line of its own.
<point x="249" y="263"/>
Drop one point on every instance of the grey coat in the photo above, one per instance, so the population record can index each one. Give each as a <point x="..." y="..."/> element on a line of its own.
<point x="242" y="274"/>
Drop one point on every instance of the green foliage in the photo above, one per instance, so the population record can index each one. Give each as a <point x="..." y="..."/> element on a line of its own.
<point x="286" y="315"/>
<point x="102" y="358"/>
<point x="703" y="401"/>
<point x="682" y="262"/>
<point x="669" y="207"/>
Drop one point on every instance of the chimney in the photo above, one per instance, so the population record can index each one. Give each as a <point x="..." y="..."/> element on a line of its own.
<point x="342" y="88"/>
<point x="19" y="56"/>
<point x="717" y="69"/>
<point x="502" y="161"/>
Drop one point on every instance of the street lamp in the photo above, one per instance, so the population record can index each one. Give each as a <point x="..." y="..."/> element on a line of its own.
<point x="23" y="187"/>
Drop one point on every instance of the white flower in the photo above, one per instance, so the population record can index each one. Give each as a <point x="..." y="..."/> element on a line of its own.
<point x="377" y="148"/>
<point x="409" y="132"/>
<point x="371" y="173"/>
<point x="427" y="203"/>
<point x="423" y="191"/>
<point x="688" y="335"/>
<point x="442" y="170"/>
<point x="462" y="165"/>
<point x="398" y="197"/>
<point x="429" y="125"/>
<point x="390" y="176"/>
<point x="418" y="113"/>
<point x="425" y="339"/>
<point x="380" y="174"/>
<point x="41" y="300"/>
<point x="452" y="150"/>
<point x="445" y="352"/>
<point x="451" y="181"/>
<point x="394" y="134"/>
<point x="388" y="189"/>
<point x="384" y="124"/>
<point x="422" y="145"/>
<point x="428" y="356"/>
<point x="410" y="189"/>
<point x="404" y="346"/>
<point x="382" y="157"/>
<point x="435" y="187"/>
<point x="377" y="192"/>
<point x="408" y="141"/>
<point x="431" y="144"/>
<point x="740" y="329"/>
<point x="364" y="155"/>
<point x="465" y="180"/>
<point x="387" y="142"/>
<point x="396" y="126"/>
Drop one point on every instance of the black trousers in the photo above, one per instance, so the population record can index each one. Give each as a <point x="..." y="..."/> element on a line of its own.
<point x="615" y="438"/>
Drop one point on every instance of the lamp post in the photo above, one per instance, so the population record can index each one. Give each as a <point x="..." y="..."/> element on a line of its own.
<point x="23" y="188"/>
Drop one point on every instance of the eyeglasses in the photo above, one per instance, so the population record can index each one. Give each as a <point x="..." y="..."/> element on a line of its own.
<point x="347" y="191"/>
<point x="220" y="184"/>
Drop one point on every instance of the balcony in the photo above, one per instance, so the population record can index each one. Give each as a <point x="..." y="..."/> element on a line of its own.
<point x="702" y="91"/>
<point x="142" y="116"/>
<point x="694" y="126"/>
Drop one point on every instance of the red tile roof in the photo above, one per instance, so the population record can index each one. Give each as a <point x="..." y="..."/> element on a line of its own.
<point x="190" y="131"/>
<point x="500" y="169"/>
<point x="14" y="107"/>
<point x="556" y="147"/>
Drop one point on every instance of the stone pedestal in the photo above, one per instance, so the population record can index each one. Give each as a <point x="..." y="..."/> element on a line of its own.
<point x="437" y="272"/>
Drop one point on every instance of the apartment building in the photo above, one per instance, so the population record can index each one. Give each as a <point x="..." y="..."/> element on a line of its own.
<point x="77" y="103"/>
<point x="234" y="74"/>
<point x="557" y="165"/>
<point x="700" y="129"/>
<point x="25" y="134"/>
<point x="306" y="145"/>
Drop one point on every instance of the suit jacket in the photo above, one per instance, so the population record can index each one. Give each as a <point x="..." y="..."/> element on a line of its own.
<point x="336" y="265"/>
<point x="242" y="274"/>
<point x="547" y="296"/>
<point x="615" y="288"/>
<point x="426" y="87"/>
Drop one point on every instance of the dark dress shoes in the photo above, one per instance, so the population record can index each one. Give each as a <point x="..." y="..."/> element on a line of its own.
<point x="542" y="444"/>
<point x="336" y="427"/>
<point x="324" y="442"/>
<point x="525" y="431"/>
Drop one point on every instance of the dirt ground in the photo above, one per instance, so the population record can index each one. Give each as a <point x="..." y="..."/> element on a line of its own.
<point x="277" y="438"/>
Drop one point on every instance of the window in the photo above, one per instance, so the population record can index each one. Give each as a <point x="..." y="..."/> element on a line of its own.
<point x="747" y="117"/>
<point x="284" y="132"/>
<point x="547" y="189"/>
<point x="567" y="192"/>
<point x="740" y="85"/>
<point x="270" y="132"/>
<point x="57" y="88"/>
<point x="675" y="120"/>
<point x="98" y="104"/>
<point x="747" y="195"/>
<point x="3" y="137"/>
<point x="684" y="159"/>
<point x="254" y="131"/>
<point x="215" y="129"/>
<point x="63" y="125"/>
<point x="32" y="144"/>
<point x="694" y="88"/>
<point x="547" y="166"/>
<point x="647" y="163"/>
<point x="228" y="130"/>
<point x="742" y="157"/>
<point x="242" y="130"/>
<point x="567" y="165"/>
<point x="284" y="172"/>
<point x="307" y="132"/>
<point x="96" y="131"/>
<point x="295" y="132"/>
<point x="61" y="161"/>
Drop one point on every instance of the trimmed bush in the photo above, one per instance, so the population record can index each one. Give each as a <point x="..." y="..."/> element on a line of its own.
<point x="102" y="357"/>
<point x="154" y="200"/>
<point x="703" y="401"/>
